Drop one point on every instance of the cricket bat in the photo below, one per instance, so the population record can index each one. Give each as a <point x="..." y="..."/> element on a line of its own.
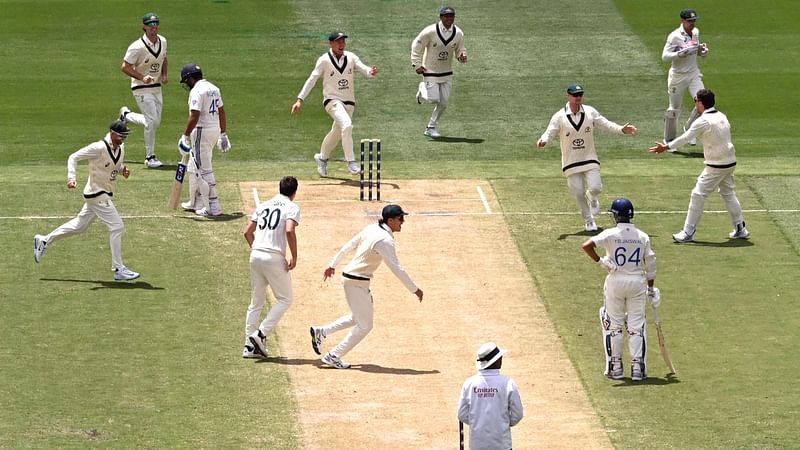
<point x="662" y="342"/>
<point x="177" y="187"/>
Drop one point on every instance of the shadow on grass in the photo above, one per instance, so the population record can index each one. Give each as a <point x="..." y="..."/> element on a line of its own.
<point x="580" y="233"/>
<point x="651" y="381"/>
<point x="463" y="140"/>
<point x="689" y="154"/>
<point x="109" y="284"/>
<point x="222" y="218"/>
<point x="164" y="167"/>
<point x="369" y="368"/>
<point x="341" y="181"/>
<point x="730" y="243"/>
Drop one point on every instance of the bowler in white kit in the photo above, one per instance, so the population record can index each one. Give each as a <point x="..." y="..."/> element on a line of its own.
<point x="269" y="233"/>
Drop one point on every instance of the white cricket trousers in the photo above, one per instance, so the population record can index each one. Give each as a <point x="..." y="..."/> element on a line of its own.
<point x="202" y="182"/>
<point x="267" y="269"/>
<point x="437" y="92"/>
<point x="711" y="179"/>
<point x="677" y="86"/>
<point x="150" y="104"/>
<point x="101" y="208"/>
<point x="585" y="187"/>
<point x="625" y="294"/>
<point x="341" y="130"/>
<point x="360" y="318"/>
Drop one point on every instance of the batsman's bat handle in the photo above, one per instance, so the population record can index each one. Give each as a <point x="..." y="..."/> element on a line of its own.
<point x="460" y="435"/>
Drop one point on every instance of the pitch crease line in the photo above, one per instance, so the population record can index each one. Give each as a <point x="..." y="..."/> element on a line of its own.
<point x="483" y="199"/>
<point x="255" y="196"/>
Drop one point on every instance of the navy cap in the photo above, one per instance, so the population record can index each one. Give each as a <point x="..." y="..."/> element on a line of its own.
<point x="447" y="11"/>
<point x="151" y="19"/>
<point x="575" y="89"/>
<point x="336" y="35"/>
<point x="390" y="211"/>
<point x="119" y="127"/>
<point x="689" y="14"/>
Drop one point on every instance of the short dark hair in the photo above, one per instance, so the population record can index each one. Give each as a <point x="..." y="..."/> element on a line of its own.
<point x="288" y="185"/>
<point x="706" y="97"/>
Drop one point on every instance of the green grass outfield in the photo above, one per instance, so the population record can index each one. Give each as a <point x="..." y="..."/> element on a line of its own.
<point x="86" y="362"/>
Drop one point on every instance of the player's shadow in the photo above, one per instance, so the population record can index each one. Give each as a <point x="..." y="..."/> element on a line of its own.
<point x="670" y="378"/>
<point x="463" y="140"/>
<point x="138" y="284"/>
<point x="166" y="167"/>
<point x="222" y="218"/>
<point x="563" y="236"/>
<point x="730" y="243"/>
<point x="369" y="368"/>
<point x="342" y="181"/>
<point x="688" y="154"/>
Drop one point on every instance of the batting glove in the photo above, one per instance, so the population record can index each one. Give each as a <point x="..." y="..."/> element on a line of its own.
<point x="655" y="296"/>
<point x="224" y="143"/>
<point x="184" y="146"/>
<point x="606" y="263"/>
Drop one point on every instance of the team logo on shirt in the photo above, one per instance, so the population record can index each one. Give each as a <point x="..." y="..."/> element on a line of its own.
<point x="578" y="144"/>
<point x="343" y="84"/>
<point x="443" y="55"/>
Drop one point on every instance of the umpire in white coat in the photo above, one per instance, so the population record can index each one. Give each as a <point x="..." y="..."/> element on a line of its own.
<point x="490" y="403"/>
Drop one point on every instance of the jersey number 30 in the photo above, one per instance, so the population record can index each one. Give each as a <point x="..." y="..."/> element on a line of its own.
<point x="269" y="219"/>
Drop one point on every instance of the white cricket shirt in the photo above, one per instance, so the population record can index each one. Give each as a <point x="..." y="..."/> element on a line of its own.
<point x="105" y="163"/>
<point x="576" y="133"/>
<point x="676" y="41"/>
<point x="374" y="244"/>
<point x="714" y="131"/>
<point x="629" y="248"/>
<point x="147" y="58"/>
<point x="270" y="218"/>
<point x="337" y="77"/>
<point x="435" y="48"/>
<point x="206" y="98"/>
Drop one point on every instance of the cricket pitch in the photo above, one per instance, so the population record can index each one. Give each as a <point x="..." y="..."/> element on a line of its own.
<point x="402" y="391"/>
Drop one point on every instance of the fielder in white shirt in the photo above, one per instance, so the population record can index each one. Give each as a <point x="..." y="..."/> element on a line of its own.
<point x="373" y="245"/>
<point x="682" y="48"/>
<point x="205" y="127"/>
<point x="336" y="68"/>
<point x="269" y="232"/>
<point x="106" y="159"/>
<point x="490" y="403"/>
<point x="145" y="62"/>
<point x="432" y="55"/>
<point x="575" y="124"/>
<point x="714" y="130"/>
<point x="631" y="265"/>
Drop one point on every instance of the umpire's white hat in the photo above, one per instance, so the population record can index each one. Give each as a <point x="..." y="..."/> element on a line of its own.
<point x="488" y="354"/>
